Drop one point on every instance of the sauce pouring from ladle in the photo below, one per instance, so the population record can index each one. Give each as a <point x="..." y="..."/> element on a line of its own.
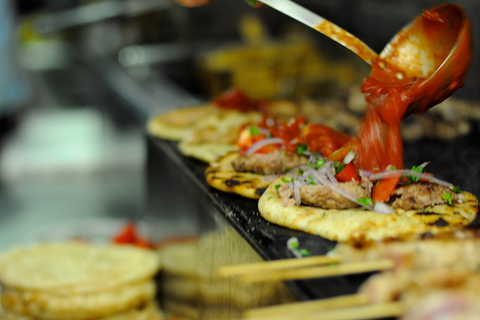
<point x="421" y="66"/>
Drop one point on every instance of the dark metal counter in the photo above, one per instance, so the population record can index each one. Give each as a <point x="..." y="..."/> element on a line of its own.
<point x="458" y="162"/>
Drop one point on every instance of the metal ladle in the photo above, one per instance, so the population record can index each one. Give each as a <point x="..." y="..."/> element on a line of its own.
<point x="433" y="51"/>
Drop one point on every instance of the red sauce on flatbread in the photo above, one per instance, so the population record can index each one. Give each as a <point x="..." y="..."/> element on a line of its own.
<point x="294" y="133"/>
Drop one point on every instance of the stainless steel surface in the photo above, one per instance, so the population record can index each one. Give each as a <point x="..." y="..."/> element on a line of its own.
<point x="67" y="167"/>
<point x="96" y="12"/>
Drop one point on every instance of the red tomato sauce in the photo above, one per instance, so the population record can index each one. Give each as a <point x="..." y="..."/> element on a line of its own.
<point x="392" y="96"/>
<point x="235" y="99"/>
<point x="294" y="133"/>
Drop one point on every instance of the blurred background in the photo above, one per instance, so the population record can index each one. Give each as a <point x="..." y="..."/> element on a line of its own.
<point x="79" y="79"/>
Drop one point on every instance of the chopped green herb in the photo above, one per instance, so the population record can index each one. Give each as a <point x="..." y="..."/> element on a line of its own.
<point x="447" y="196"/>
<point x="252" y="2"/>
<point x="305" y="252"/>
<point x="457" y="190"/>
<point x="392" y="167"/>
<point x="287" y="170"/>
<point x="415" y="178"/>
<point x="277" y="186"/>
<point x="301" y="148"/>
<point x="294" y="245"/>
<point x="366" y="201"/>
<point x="339" y="166"/>
<point x="323" y="215"/>
<point x="285" y="180"/>
<point x="255" y="131"/>
<point x="320" y="163"/>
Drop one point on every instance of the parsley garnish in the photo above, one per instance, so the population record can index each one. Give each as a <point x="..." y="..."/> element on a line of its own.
<point x="301" y="148"/>
<point x="255" y="131"/>
<point x="457" y="190"/>
<point x="277" y="186"/>
<point x="339" y="166"/>
<point x="365" y="201"/>
<point x="415" y="178"/>
<point x="320" y="163"/>
<point x="252" y="2"/>
<point x="447" y="196"/>
<point x="305" y="252"/>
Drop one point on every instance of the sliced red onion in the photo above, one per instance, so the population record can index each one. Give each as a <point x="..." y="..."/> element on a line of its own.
<point x="262" y="143"/>
<point x="407" y="172"/>
<point x="325" y="175"/>
<point x="349" y="157"/>
<point x="272" y="177"/>
<point x="266" y="132"/>
<point x="381" y="207"/>
<point x="365" y="173"/>
<point x="296" y="192"/>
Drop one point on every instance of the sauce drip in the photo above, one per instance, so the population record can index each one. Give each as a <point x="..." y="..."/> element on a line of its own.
<point x="394" y="91"/>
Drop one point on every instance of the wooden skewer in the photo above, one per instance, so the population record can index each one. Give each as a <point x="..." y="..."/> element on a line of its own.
<point x="306" y="307"/>
<point x="320" y="271"/>
<point x="235" y="270"/>
<point x="374" y="311"/>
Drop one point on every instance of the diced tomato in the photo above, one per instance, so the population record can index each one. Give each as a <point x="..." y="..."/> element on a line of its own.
<point x="323" y="139"/>
<point x="235" y="99"/>
<point x="246" y="139"/>
<point x="295" y="132"/>
<point x="384" y="188"/>
<point x="348" y="173"/>
<point x="129" y="235"/>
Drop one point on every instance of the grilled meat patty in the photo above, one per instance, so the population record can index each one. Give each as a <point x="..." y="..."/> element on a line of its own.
<point x="276" y="162"/>
<point x="324" y="197"/>
<point x="420" y="195"/>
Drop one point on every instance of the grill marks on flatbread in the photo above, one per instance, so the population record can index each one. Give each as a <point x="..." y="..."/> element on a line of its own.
<point x="222" y="176"/>
<point x="360" y="224"/>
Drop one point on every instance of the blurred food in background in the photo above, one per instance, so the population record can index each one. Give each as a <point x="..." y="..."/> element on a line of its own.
<point x="288" y="66"/>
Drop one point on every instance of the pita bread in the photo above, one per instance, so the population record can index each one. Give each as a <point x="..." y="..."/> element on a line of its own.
<point x="360" y="224"/>
<point x="75" y="267"/>
<point x="174" y="124"/>
<point x="216" y="135"/>
<point x="148" y="312"/>
<point x="91" y="305"/>
<point x="222" y="176"/>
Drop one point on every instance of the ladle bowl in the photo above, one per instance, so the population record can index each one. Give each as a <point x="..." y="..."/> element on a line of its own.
<point x="433" y="53"/>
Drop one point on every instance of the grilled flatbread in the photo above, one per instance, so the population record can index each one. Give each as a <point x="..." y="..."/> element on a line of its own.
<point x="222" y="176"/>
<point x="53" y="306"/>
<point x="360" y="224"/>
<point x="75" y="267"/>
<point x="174" y="124"/>
<point x="216" y="135"/>
<point x="147" y="312"/>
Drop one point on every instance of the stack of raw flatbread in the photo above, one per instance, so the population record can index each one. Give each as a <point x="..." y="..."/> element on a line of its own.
<point x="190" y="287"/>
<point x="79" y="280"/>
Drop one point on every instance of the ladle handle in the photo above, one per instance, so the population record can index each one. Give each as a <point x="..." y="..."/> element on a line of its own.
<point x="324" y="26"/>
